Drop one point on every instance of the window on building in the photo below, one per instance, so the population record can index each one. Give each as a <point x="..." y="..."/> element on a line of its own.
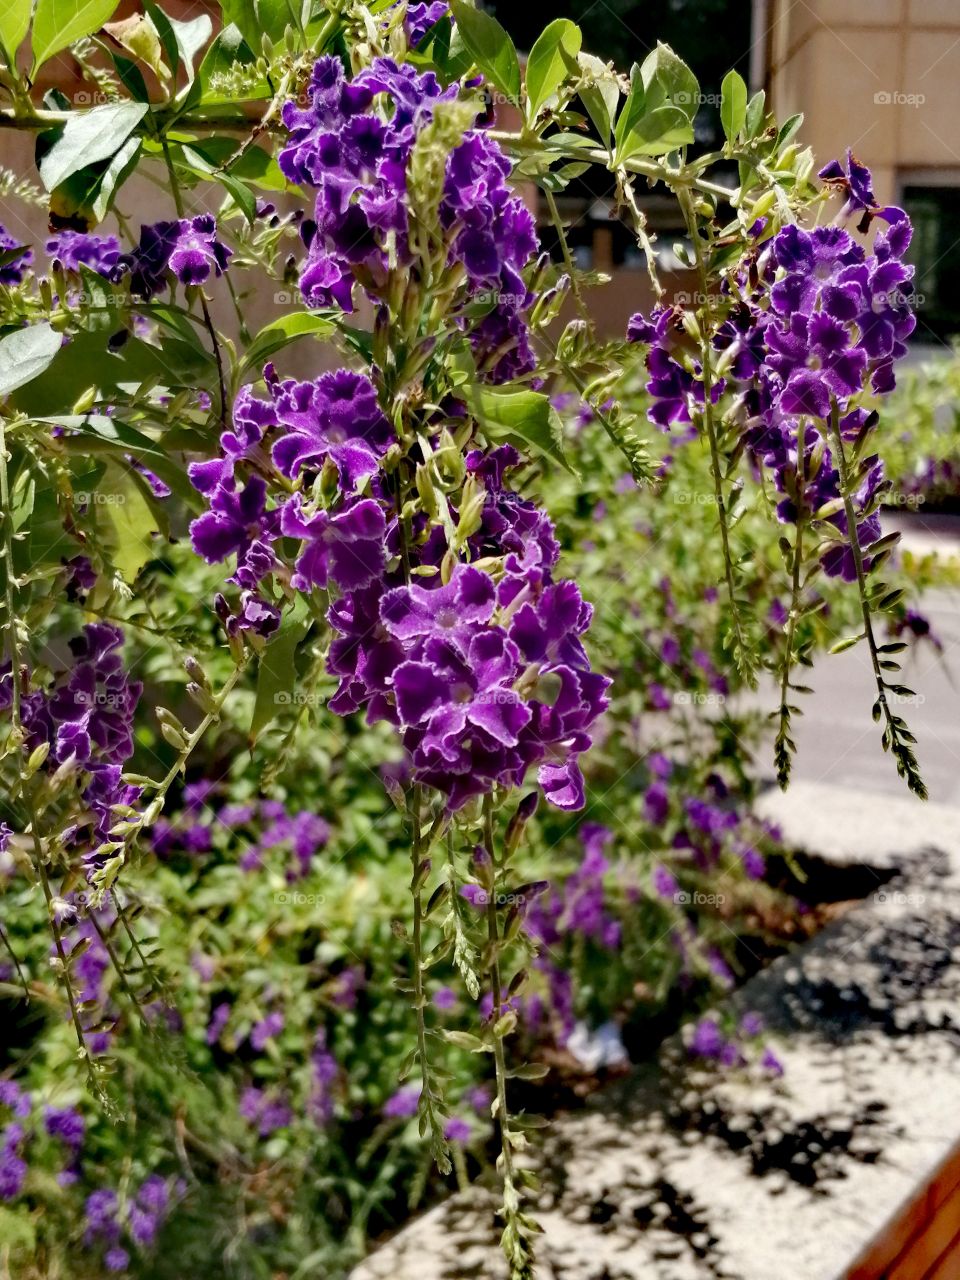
<point x="935" y="254"/>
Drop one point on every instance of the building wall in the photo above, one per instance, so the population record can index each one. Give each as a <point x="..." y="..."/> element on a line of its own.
<point x="880" y="76"/>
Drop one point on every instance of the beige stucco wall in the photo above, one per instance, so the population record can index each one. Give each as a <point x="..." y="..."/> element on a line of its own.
<point x="880" y="76"/>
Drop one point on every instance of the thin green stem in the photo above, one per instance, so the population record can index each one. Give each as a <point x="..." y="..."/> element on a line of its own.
<point x="567" y="255"/>
<point x="742" y="651"/>
<point x="515" y="1242"/>
<point x="784" y="744"/>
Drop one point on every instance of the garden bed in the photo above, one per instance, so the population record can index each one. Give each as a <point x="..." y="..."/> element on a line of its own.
<point x="844" y="1167"/>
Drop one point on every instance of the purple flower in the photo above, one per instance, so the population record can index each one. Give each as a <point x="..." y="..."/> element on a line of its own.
<point x="664" y="884"/>
<point x="197" y="252"/>
<point x="266" y="1029"/>
<point x="346" y="547"/>
<point x="234" y="524"/>
<point x="13" y="1173"/>
<point x="149" y="261"/>
<point x="336" y="417"/>
<point x="267" y="1110"/>
<point x="91" y="709"/>
<point x="770" y="1062"/>
<point x="457" y="1130"/>
<point x="100" y="1212"/>
<point x="754" y="864"/>
<point x="402" y="1104"/>
<point x="324" y="1071"/>
<point x="707" y="1040"/>
<point x="219" y="1018"/>
<point x="751" y="1024"/>
<point x="444" y="612"/>
<point x="478" y="1098"/>
<point x="12" y="271"/>
<point x="82" y="576"/>
<point x="75" y="249"/>
<point x="357" y="159"/>
<point x="67" y="1124"/>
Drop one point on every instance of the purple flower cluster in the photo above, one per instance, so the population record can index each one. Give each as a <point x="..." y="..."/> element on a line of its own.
<point x="267" y="827"/>
<point x="484" y="676"/>
<point x="73" y="249"/>
<point x="816" y="323"/>
<point x="13" y="1168"/>
<point x="341" y="144"/>
<point x="708" y="1040"/>
<point x="188" y="248"/>
<point x="85" y="718"/>
<point x="266" y="1109"/>
<point x="107" y="1223"/>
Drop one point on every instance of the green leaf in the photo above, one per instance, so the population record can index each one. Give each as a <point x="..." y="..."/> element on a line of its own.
<point x="132" y="77"/>
<point x="755" y="114"/>
<point x="631" y="113"/>
<point x="788" y="129"/>
<point x="278" y="334"/>
<point x="523" y="418"/>
<point x="88" y="432"/>
<point x="242" y="15"/>
<point x="14" y="25"/>
<point x="255" y="166"/>
<point x="655" y="133"/>
<point x="25" y="354"/>
<point x="163" y="26"/>
<point x="191" y="38"/>
<point x="228" y="49"/>
<point x="600" y="97"/>
<point x="130" y="522"/>
<point x="668" y="81"/>
<point x="274" y="16"/>
<point x="88" y="137"/>
<point x="243" y="197"/>
<point x="277" y="673"/>
<point x="490" y="47"/>
<point x="58" y="23"/>
<point x="733" y="105"/>
<point x="86" y="197"/>
<point x="549" y="62"/>
<point x="86" y="362"/>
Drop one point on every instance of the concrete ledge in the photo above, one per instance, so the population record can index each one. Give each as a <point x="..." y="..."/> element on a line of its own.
<point x="846" y="1169"/>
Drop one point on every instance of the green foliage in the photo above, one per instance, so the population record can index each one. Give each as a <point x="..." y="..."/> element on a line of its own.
<point x="57" y="24"/>
<point x="490" y="47"/>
